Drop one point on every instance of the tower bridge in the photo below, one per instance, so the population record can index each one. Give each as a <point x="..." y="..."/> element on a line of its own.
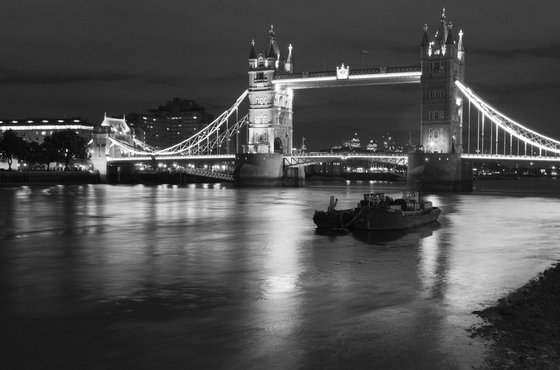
<point x="456" y="125"/>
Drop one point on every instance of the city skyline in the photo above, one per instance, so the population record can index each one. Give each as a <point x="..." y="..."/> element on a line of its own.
<point x="63" y="59"/>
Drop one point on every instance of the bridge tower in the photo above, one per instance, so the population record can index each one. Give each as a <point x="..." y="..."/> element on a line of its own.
<point x="443" y="62"/>
<point x="270" y="109"/>
<point x="270" y="128"/>
<point x="440" y="166"/>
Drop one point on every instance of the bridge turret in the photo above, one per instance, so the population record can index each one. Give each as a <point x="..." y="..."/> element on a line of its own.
<point x="461" y="48"/>
<point x="442" y="62"/>
<point x="450" y="45"/>
<point x="271" y="57"/>
<point x="273" y="43"/>
<point x="289" y="65"/>
<point x="252" y="56"/>
<point x="425" y="47"/>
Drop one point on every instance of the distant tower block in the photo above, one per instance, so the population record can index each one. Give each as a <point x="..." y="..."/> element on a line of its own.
<point x="270" y="110"/>
<point x="443" y="62"/>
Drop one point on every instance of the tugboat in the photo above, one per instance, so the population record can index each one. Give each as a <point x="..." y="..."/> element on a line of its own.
<point x="378" y="212"/>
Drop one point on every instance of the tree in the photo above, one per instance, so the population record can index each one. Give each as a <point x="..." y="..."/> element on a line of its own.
<point x="49" y="151"/>
<point x="35" y="153"/>
<point x="11" y="146"/>
<point x="67" y="146"/>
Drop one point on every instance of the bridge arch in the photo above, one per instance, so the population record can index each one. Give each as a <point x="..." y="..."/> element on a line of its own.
<point x="278" y="147"/>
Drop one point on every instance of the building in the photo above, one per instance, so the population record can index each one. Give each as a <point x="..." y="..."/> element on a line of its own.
<point x="443" y="62"/>
<point x="169" y="124"/>
<point x="36" y="129"/>
<point x="353" y="144"/>
<point x="270" y="127"/>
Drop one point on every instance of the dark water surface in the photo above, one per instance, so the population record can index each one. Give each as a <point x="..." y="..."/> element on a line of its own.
<point x="208" y="276"/>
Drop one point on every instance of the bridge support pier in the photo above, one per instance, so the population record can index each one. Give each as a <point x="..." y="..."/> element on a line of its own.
<point x="265" y="170"/>
<point x="439" y="172"/>
<point x="294" y="177"/>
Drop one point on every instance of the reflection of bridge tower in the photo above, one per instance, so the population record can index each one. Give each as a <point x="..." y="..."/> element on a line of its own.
<point x="443" y="62"/>
<point x="270" y="109"/>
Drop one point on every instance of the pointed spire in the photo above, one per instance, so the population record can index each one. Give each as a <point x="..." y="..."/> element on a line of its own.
<point x="253" y="53"/>
<point x="450" y="40"/>
<point x="290" y="57"/>
<point x="425" y="41"/>
<point x="460" y="48"/>
<point x="271" y="53"/>
<point x="289" y="65"/>
<point x="273" y="42"/>
<point x="441" y="33"/>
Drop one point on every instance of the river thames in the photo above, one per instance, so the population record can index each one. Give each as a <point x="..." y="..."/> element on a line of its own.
<point x="211" y="276"/>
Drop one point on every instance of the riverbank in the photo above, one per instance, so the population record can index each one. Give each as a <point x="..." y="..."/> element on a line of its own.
<point x="525" y="326"/>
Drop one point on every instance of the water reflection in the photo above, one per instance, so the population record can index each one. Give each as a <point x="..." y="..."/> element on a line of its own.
<point x="410" y="237"/>
<point x="219" y="276"/>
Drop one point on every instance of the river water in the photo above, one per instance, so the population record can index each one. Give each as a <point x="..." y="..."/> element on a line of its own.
<point x="210" y="276"/>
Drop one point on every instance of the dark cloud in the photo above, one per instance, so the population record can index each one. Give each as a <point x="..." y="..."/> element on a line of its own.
<point x="550" y="51"/>
<point x="490" y="89"/>
<point x="46" y="78"/>
<point x="65" y="78"/>
<point x="82" y="58"/>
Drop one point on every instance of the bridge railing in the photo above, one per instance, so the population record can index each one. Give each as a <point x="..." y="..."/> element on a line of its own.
<point x="310" y="158"/>
<point x="353" y="72"/>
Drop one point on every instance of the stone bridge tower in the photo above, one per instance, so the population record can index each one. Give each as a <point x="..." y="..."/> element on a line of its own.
<point x="270" y="108"/>
<point x="440" y="166"/>
<point x="443" y="62"/>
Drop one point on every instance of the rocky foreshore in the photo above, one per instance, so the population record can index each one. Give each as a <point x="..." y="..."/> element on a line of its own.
<point x="524" y="328"/>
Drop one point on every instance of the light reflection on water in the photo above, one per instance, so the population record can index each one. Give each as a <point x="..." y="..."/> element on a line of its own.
<point x="210" y="276"/>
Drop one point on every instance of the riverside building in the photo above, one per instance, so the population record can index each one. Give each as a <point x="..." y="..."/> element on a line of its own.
<point x="171" y="123"/>
<point x="36" y="129"/>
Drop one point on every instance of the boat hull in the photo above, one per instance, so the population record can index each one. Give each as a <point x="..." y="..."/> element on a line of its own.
<point x="335" y="220"/>
<point x="376" y="219"/>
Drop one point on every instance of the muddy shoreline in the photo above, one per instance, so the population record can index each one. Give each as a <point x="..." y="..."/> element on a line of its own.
<point x="523" y="329"/>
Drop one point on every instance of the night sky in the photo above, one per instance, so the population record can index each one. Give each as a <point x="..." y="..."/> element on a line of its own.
<point x="83" y="58"/>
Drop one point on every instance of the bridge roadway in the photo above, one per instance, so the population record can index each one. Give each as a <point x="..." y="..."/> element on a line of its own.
<point x="307" y="159"/>
<point x="397" y="158"/>
<point x="502" y="157"/>
<point x="359" y="77"/>
<point x="315" y="157"/>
